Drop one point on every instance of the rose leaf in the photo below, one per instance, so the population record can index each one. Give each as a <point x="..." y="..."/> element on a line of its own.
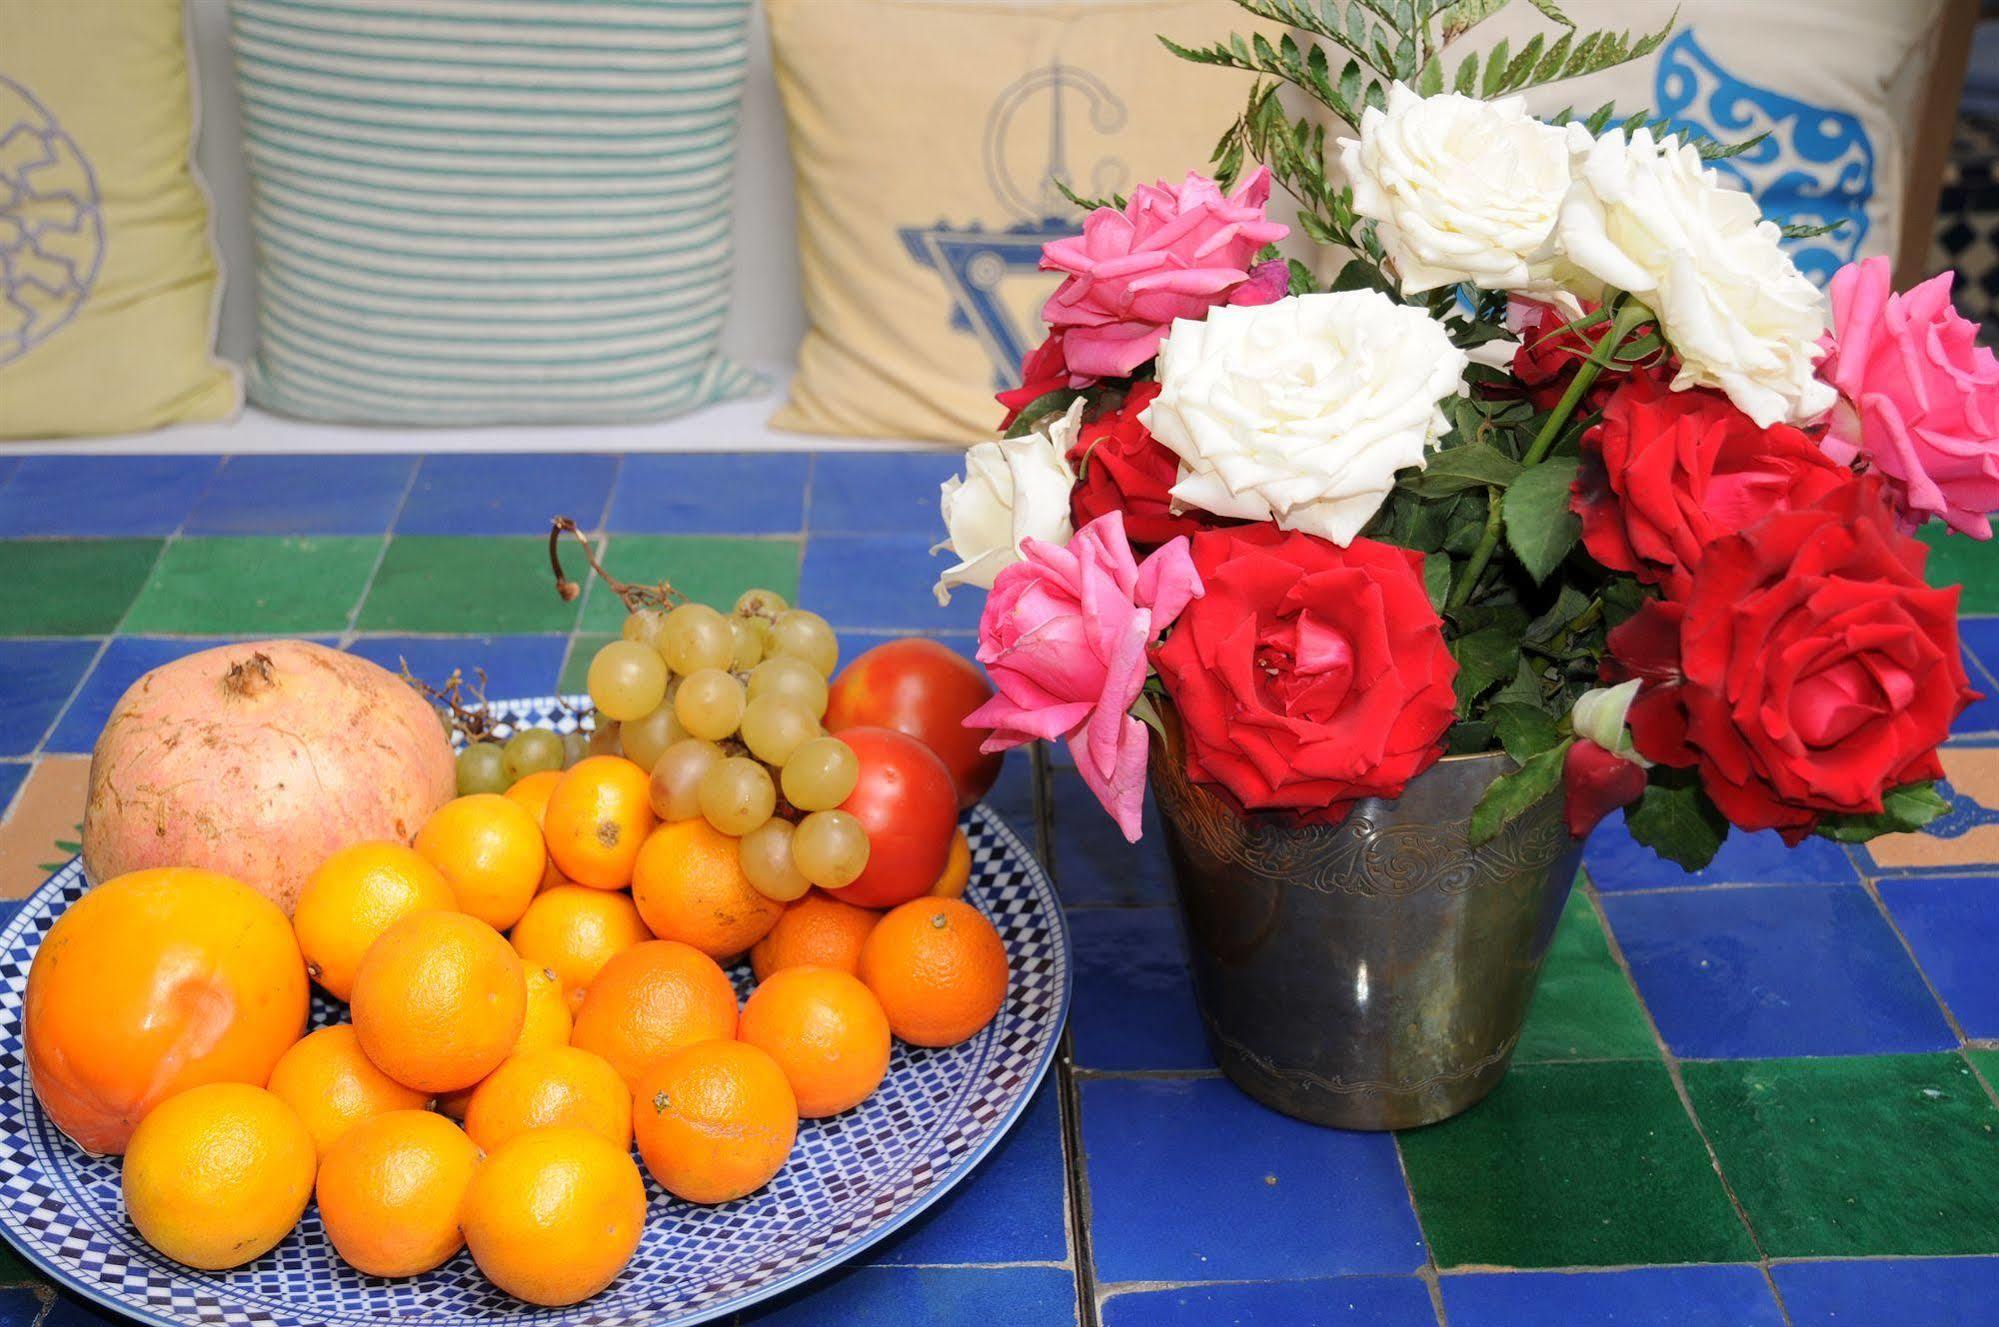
<point x="1676" y="820"/>
<point x="1539" y="525"/>
<point x="1510" y="795"/>
<point x="1524" y="730"/>
<point x="1903" y="809"/>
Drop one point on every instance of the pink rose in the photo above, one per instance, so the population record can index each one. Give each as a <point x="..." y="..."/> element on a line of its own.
<point x="1172" y="253"/>
<point x="1918" y="399"/>
<point x="1064" y="637"/>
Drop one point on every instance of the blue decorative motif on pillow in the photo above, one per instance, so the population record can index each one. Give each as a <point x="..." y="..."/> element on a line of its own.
<point x="1815" y="168"/>
<point x="51" y="224"/>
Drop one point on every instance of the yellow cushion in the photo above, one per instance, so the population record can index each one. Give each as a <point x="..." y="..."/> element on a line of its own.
<point x="923" y="133"/>
<point x="108" y="283"/>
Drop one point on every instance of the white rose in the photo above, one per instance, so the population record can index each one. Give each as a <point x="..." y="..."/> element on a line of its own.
<point x="1303" y="410"/>
<point x="1460" y="190"/>
<point x="1012" y="489"/>
<point x="1598" y="716"/>
<point x="1647" y="217"/>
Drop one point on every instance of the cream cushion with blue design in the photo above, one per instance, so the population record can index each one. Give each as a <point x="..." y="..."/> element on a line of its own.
<point x="491" y="211"/>
<point x="923" y="134"/>
<point x="108" y="284"/>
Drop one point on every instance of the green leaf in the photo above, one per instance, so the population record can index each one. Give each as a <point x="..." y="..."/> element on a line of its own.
<point x="1800" y="231"/>
<point x="1553" y="11"/>
<point x="1509" y="796"/>
<point x="1303" y="280"/>
<point x="1042" y="409"/>
<point x="1524" y="730"/>
<point x="1437" y="579"/>
<point x="1903" y="810"/>
<point x="1540" y="528"/>
<point x="1359" y="274"/>
<point x="1467" y="737"/>
<point x="1461" y="16"/>
<point x="1569" y="602"/>
<point x="1147" y="713"/>
<point x="1676" y="820"/>
<point x="1455" y="469"/>
<point x="1484" y="657"/>
<point x="1524" y="689"/>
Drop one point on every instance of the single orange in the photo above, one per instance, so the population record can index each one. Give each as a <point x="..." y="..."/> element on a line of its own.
<point x="689" y="886"/>
<point x="439" y="1001"/>
<point x="715" y="1121"/>
<point x="573" y="932"/>
<point x="957" y="869"/>
<point x="532" y="793"/>
<point x="598" y="817"/>
<point x="818" y="929"/>
<point x="652" y="999"/>
<point x="355" y="895"/>
<point x="390" y="1190"/>
<point x="217" y="1175"/>
<point x="151" y="983"/>
<point x="553" y="1215"/>
<point x="490" y="849"/>
<point x="334" y="1086"/>
<point x="547" y="1024"/>
<point x="825" y="1030"/>
<point x="939" y="969"/>
<point x="552" y="1085"/>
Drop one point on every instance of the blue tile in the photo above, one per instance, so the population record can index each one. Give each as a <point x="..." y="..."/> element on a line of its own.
<point x="1190" y="1180"/>
<point x="854" y="643"/>
<point x="1711" y="1296"/>
<point x="1905" y="1292"/>
<point x="1093" y="863"/>
<point x="925" y="1297"/>
<point x="72" y="1310"/>
<point x="1982" y="715"/>
<point x="304" y="495"/>
<point x="515" y="665"/>
<point x="13" y="773"/>
<point x="1012" y="794"/>
<point x="1134" y="1003"/>
<point x="1616" y="861"/>
<point x="1952" y="924"/>
<point x="883" y="582"/>
<point x="711" y="493"/>
<point x="8" y="465"/>
<point x="1345" y="1301"/>
<point x="881" y="492"/>
<point x="512" y="493"/>
<point x="40" y="675"/>
<point x="103" y="495"/>
<point x="1775" y="971"/>
<point x="1012" y="1209"/>
<point x="123" y="662"/>
<point x="19" y="1308"/>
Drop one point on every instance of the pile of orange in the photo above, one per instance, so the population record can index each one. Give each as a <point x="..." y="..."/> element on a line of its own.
<point x="545" y="966"/>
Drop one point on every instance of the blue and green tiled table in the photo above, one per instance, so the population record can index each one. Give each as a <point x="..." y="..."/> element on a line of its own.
<point x="1757" y="1096"/>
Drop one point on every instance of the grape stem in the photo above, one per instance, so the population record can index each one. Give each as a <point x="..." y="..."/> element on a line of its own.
<point x="635" y="597"/>
<point x="474" y="720"/>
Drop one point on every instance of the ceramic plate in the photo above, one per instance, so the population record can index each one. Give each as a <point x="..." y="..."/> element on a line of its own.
<point x="850" y="1180"/>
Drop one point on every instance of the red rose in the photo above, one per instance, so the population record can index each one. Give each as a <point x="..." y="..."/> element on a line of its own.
<point x="1596" y="782"/>
<point x="1550" y="352"/>
<point x="1308" y="675"/>
<point x="1044" y="370"/>
<point x="1809" y="671"/>
<point x="1666" y="473"/>
<point x="1125" y="469"/>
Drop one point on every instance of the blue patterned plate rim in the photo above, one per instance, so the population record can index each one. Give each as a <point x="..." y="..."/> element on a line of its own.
<point x="224" y="1303"/>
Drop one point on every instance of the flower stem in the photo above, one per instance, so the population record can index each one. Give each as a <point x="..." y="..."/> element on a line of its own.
<point x="1630" y="316"/>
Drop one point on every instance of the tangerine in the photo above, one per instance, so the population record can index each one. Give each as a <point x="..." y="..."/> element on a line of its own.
<point x="957" y="869"/>
<point x="573" y="932"/>
<point x="553" y="1215"/>
<point x="654" y="998"/>
<point x="825" y="1030"/>
<point x="152" y="983"/>
<point x="390" y="1189"/>
<point x="715" y="1121"/>
<point x="354" y="896"/>
<point x="216" y="1176"/>
<point x="939" y="969"/>
<point x="333" y="1085"/>
<point x="818" y="929"/>
<point x="490" y="849"/>
<point x="532" y="793"/>
<point x="689" y="886"/>
<point x="547" y="1024"/>
<point x="439" y="1001"/>
<point x="598" y="816"/>
<point x="548" y="1086"/>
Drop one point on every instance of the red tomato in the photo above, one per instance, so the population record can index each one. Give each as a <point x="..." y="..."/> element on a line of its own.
<point x="906" y="802"/>
<point x="919" y="687"/>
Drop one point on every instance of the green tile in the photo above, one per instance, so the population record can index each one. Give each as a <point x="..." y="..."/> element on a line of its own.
<point x="242" y="586"/>
<point x="576" y="668"/>
<point x="1572" y="1165"/>
<point x="471" y="586"/>
<point x="709" y="570"/>
<point x="1585" y="1007"/>
<point x="1957" y="559"/>
<point x="70" y="587"/>
<point x="1987" y="1063"/>
<point x="1855" y="1157"/>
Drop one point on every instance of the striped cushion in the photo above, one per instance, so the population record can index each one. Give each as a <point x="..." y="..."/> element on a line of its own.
<point x="487" y="211"/>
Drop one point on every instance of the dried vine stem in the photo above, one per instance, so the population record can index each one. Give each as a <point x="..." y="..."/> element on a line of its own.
<point x="635" y="597"/>
<point x="475" y="720"/>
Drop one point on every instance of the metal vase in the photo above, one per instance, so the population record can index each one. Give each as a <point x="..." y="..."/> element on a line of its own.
<point x="1373" y="974"/>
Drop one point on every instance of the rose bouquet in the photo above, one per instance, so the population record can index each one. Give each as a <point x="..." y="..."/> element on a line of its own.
<point x="1568" y="460"/>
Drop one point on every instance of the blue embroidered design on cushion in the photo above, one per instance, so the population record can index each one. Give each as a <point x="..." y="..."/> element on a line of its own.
<point x="51" y="224"/>
<point x="1815" y="168"/>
